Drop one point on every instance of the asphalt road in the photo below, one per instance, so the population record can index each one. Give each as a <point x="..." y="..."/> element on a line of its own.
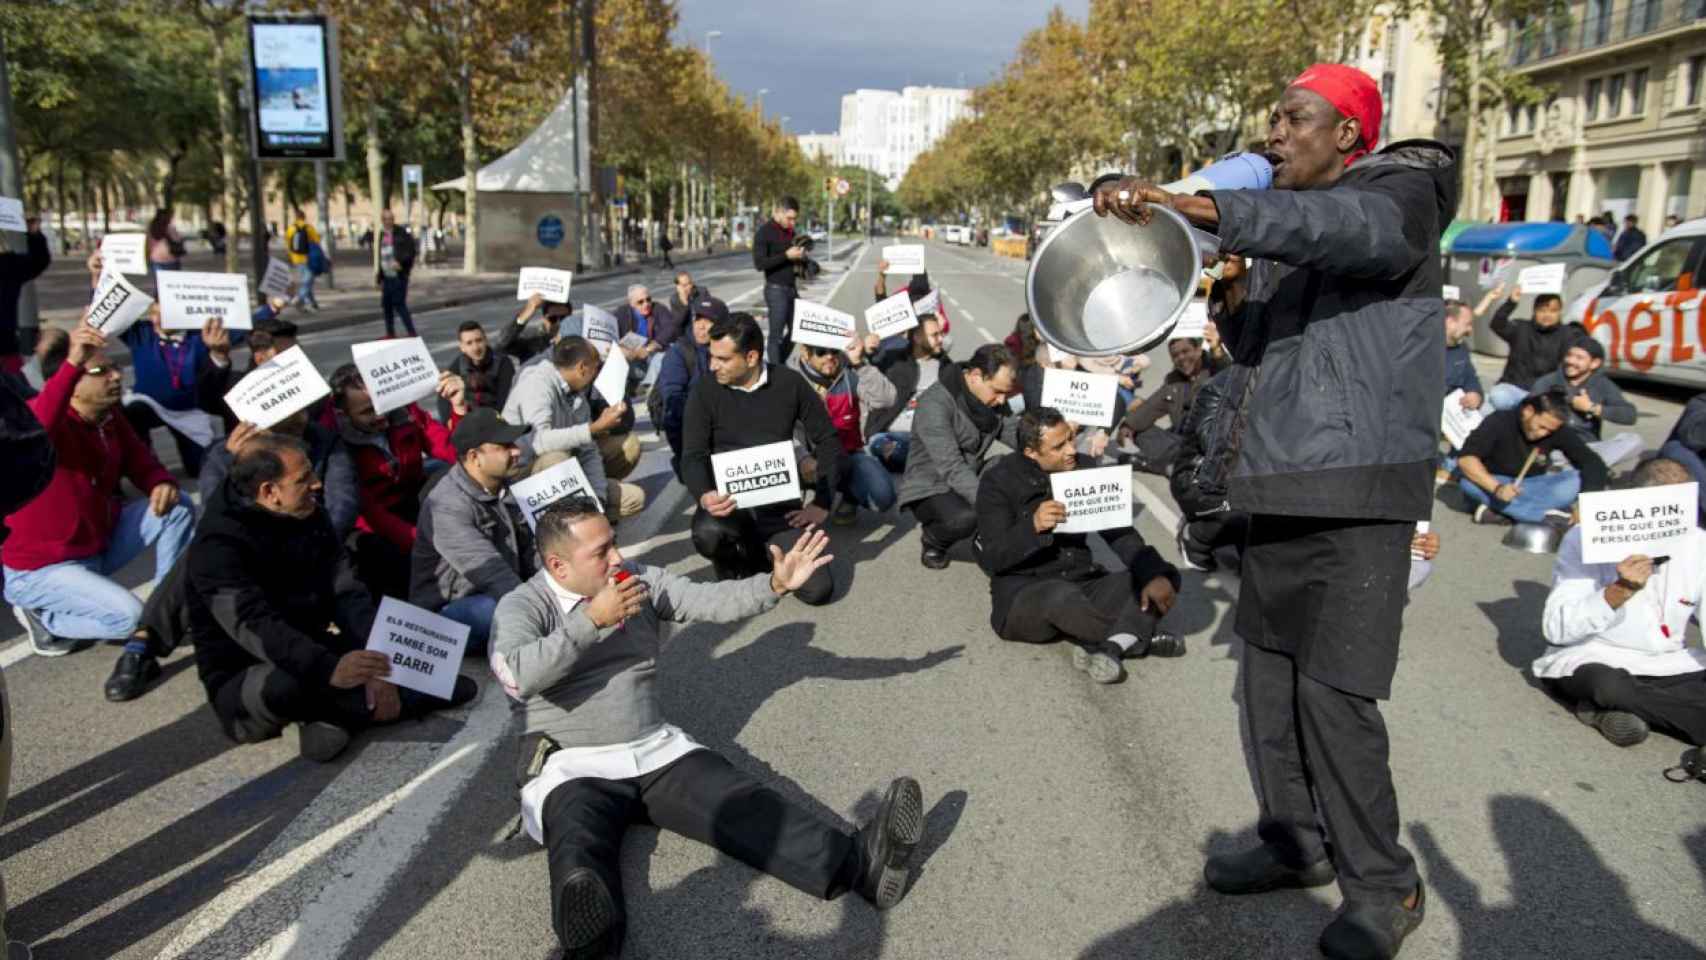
<point x="1065" y="819"/>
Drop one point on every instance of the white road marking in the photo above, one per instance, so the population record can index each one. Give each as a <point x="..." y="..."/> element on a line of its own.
<point x="1157" y="507"/>
<point x="987" y="336"/>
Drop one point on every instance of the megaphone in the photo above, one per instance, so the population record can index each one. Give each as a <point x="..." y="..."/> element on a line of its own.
<point x="1099" y="287"/>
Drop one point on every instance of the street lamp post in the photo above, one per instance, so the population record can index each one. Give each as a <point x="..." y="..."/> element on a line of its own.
<point x="709" y="36"/>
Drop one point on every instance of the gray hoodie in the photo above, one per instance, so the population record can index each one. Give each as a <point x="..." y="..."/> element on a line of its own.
<point x="561" y="418"/>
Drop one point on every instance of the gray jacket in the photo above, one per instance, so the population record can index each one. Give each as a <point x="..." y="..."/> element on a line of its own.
<point x="1600" y="390"/>
<point x="949" y="447"/>
<point x="467" y="541"/>
<point x="587" y="687"/>
<point x="561" y="419"/>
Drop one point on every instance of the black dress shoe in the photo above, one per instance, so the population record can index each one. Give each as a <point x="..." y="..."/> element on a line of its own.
<point x="586" y="917"/>
<point x="1163" y="644"/>
<point x="465" y="691"/>
<point x="887" y="842"/>
<point x="1259" y="870"/>
<point x="131" y="676"/>
<point x="1371" y="930"/>
<point x="934" y="558"/>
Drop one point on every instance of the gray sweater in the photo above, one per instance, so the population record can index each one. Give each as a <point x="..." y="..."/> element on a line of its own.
<point x="1600" y="390"/>
<point x="561" y="419"/>
<point x="586" y="687"/>
<point x="467" y="541"/>
<point x="948" y="450"/>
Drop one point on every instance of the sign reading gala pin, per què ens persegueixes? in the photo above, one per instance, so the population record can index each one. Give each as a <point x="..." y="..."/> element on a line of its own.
<point x="276" y="281"/>
<point x="1617" y="524"/>
<point x="1098" y="498"/>
<point x="755" y="476"/>
<point x="1087" y="399"/>
<point x="424" y="648"/>
<point x="397" y="372"/>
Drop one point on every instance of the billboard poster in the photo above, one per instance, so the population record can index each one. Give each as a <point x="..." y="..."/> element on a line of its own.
<point x="295" y="103"/>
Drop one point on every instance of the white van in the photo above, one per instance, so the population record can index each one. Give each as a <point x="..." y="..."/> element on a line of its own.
<point x="1649" y="314"/>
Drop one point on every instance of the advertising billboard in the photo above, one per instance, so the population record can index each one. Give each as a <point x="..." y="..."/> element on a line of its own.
<point x="295" y="92"/>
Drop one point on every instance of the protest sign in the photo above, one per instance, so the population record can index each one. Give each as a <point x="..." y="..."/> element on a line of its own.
<point x="894" y="315"/>
<point x="276" y="281"/>
<point x="1193" y="323"/>
<point x="928" y="304"/>
<point x="755" y="476"/>
<point x="397" y="372"/>
<point x="1098" y="498"/>
<point x="1087" y="399"/>
<point x="125" y="252"/>
<point x="1457" y="423"/>
<point x="631" y="341"/>
<point x="189" y="299"/>
<point x="612" y="380"/>
<point x="1548" y="278"/>
<point x="599" y="325"/>
<point x="424" y="648"/>
<point x="905" y="258"/>
<point x="821" y="326"/>
<point x="551" y="285"/>
<point x="12" y="215"/>
<point x="1450" y="292"/>
<point x="541" y="490"/>
<point x="276" y="389"/>
<point x="117" y="305"/>
<point x="1617" y="524"/>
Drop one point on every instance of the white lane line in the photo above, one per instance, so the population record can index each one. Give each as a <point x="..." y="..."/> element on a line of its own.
<point x="967" y="314"/>
<point x="15" y="653"/>
<point x="1159" y="508"/>
<point x="987" y="336"/>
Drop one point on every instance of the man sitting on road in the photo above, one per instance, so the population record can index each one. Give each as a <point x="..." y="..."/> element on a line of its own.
<point x="268" y="580"/>
<point x="328" y="454"/>
<point x="1044" y="584"/>
<point x="63" y="547"/>
<point x="487" y="374"/>
<point x="956" y="421"/>
<point x="848" y="386"/>
<point x="555" y="400"/>
<point x="686" y="294"/>
<point x="1593" y="401"/>
<point x="523" y="346"/>
<point x="912" y="372"/>
<point x="683" y="364"/>
<point x="746" y="403"/>
<point x="391" y="453"/>
<point x="1460" y="373"/>
<point x="651" y="321"/>
<point x="1687" y="444"/>
<point x="1619" y="653"/>
<point x="471" y="544"/>
<point x="1511" y="441"/>
<point x="1156" y="448"/>
<point x="578" y="645"/>
<point x="1536" y="349"/>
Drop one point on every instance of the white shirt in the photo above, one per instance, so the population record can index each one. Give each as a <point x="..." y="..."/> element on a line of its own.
<point x="763" y="378"/>
<point x="616" y="761"/>
<point x="1647" y="636"/>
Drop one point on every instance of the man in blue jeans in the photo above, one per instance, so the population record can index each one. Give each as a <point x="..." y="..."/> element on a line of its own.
<point x="849" y="386"/>
<point x="1511" y="441"/>
<point x="396" y="262"/>
<point x="471" y="544"/>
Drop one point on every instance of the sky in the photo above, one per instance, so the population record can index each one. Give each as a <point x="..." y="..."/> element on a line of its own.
<point x="810" y="52"/>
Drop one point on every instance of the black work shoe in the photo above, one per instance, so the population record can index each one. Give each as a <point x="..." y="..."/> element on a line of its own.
<point x="1366" y="930"/>
<point x="320" y="742"/>
<point x="934" y="558"/>
<point x="42" y="641"/>
<point x="465" y="691"/>
<point x="1619" y="726"/>
<point x="1165" y="644"/>
<point x="1192" y="555"/>
<point x="1100" y="659"/>
<point x="886" y="843"/>
<point x="1259" y="870"/>
<point x="131" y="676"/>
<point x="586" y="917"/>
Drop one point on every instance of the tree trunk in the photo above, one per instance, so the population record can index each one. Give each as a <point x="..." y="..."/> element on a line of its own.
<point x="83" y="198"/>
<point x="589" y="64"/>
<point x="1470" y="206"/>
<point x="470" y="155"/>
<point x="228" y="158"/>
<point x="375" y="176"/>
<point x="106" y="205"/>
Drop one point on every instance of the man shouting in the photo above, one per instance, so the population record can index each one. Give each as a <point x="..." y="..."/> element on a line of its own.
<point x="1338" y="402"/>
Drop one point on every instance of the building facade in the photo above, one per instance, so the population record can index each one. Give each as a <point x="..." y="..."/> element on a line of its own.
<point x="821" y="146"/>
<point x="885" y="130"/>
<point x="1623" y="128"/>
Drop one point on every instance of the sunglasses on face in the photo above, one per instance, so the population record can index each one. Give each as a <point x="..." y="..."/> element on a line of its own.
<point x="104" y="369"/>
<point x="643" y="300"/>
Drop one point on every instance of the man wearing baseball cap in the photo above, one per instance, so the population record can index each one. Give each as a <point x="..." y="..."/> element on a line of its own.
<point x="471" y="544"/>
<point x="1336" y="386"/>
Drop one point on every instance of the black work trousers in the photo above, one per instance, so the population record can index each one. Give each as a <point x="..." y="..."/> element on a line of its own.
<point x="1676" y="704"/>
<point x="702" y="797"/>
<point x="738" y="546"/>
<point x="1306" y="735"/>
<point x="779" y="300"/>
<point x="256" y="704"/>
<point x="1081" y="610"/>
<point x="946" y="518"/>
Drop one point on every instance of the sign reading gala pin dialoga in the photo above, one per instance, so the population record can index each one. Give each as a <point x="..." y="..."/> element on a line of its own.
<point x="1087" y="399"/>
<point x="755" y="476"/>
<point x="1193" y="323"/>
<point x="276" y="389"/>
<point x="12" y="215"/>
<point x="117" y="305"/>
<point x="542" y="489"/>
<point x="1548" y="278"/>
<point x="189" y="299"/>
<point x="905" y="258"/>
<point x="125" y="252"/>
<point x="397" y="372"/>
<point x="551" y="285"/>
<point x="1617" y="524"/>
<point x="885" y="318"/>
<point x="1096" y="499"/>
<point x="424" y="648"/>
<point x="599" y="325"/>
<point x="276" y="281"/>
<point x="821" y="326"/>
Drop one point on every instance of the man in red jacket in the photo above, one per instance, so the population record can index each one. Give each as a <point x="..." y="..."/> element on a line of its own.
<point x="65" y="544"/>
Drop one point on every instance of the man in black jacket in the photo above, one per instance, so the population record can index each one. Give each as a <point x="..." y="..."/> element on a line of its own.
<point x="16" y="270"/>
<point x="396" y="262"/>
<point x="1337" y="438"/>
<point x="745" y="403"/>
<point x="267" y="581"/>
<point x="1687" y="444"/>
<point x="1044" y="584"/>
<point x="774" y="254"/>
<point x="487" y="374"/>
<point x="517" y="343"/>
<point x="1536" y="349"/>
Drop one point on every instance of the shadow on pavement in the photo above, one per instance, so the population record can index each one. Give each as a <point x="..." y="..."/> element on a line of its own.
<point x="1517" y="619"/>
<point x="1566" y="903"/>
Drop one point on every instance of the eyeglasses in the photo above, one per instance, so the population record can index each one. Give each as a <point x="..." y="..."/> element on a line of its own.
<point x="103" y="369"/>
<point x="644" y="300"/>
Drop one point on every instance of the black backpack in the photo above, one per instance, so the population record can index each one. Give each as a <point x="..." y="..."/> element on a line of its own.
<point x="299" y="241"/>
<point x="654" y="398"/>
<point x="24" y="444"/>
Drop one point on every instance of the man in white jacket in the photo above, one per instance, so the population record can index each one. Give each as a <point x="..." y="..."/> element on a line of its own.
<point x="1618" y="634"/>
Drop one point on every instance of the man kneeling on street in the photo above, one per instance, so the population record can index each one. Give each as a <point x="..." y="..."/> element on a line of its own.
<point x="1504" y="464"/>
<point x="268" y="581"/>
<point x="578" y="645"/>
<point x="1619" y="653"/>
<point x="1044" y="584"/>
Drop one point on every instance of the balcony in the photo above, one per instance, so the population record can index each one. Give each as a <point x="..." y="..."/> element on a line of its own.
<point x="1599" y="23"/>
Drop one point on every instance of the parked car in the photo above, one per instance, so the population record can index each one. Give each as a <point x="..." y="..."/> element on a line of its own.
<point x="1648" y="313"/>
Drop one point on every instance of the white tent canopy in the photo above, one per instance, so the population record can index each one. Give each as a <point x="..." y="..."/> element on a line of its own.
<point x="541" y="163"/>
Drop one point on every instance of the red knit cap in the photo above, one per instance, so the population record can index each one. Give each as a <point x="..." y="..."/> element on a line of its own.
<point x="1351" y="92"/>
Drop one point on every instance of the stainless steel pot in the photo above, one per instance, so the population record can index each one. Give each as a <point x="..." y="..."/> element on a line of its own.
<point x="1535" y="537"/>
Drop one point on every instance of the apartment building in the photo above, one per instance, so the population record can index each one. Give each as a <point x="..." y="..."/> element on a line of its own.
<point x="885" y="130"/>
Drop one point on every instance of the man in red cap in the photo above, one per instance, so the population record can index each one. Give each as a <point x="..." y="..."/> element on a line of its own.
<point x="1337" y="381"/>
